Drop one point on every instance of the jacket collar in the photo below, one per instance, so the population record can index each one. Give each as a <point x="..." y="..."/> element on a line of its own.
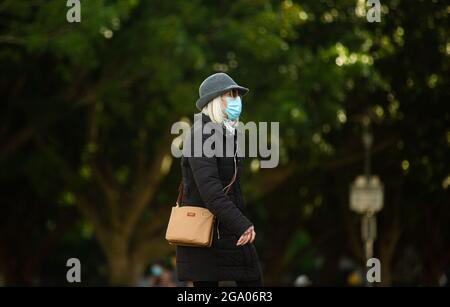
<point x="206" y="119"/>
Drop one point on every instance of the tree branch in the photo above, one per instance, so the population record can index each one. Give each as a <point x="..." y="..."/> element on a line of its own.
<point x="15" y="141"/>
<point x="275" y="177"/>
<point x="147" y="184"/>
<point x="70" y="177"/>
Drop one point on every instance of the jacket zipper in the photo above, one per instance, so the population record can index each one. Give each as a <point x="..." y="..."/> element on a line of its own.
<point x="218" y="233"/>
<point x="235" y="169"/>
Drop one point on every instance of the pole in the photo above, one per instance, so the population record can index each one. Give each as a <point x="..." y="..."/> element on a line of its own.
<point x="368" y="221"/>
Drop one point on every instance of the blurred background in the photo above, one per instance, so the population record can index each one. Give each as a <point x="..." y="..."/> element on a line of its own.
<point x="86" y="108"/>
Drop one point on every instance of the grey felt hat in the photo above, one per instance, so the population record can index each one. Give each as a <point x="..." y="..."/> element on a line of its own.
<point x="215" y="85"/>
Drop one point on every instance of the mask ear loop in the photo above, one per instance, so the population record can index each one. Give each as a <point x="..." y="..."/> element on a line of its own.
<point x="235" y="168"/>
<point x="228" y="186"/>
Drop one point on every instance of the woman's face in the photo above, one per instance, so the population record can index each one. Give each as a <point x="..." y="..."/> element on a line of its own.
<point x="232" y="94"/>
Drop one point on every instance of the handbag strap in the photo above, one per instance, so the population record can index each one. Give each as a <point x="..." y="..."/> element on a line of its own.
<point x="181" y="188"/>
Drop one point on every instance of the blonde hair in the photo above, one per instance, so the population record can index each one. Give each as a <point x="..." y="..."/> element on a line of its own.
<point x="214" y="110"/>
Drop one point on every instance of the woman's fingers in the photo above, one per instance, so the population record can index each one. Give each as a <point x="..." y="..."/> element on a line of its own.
<point x="243" y="239"/>
<point x="248" y="231"/>
<point x="240" y="240"/>
<point x="253" y="236"/>
<point x="247" y="237"/>
<point x="250" y="240"/>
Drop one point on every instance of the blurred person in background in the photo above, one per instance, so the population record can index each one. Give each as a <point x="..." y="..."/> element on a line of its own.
<point x="302" y="281"/>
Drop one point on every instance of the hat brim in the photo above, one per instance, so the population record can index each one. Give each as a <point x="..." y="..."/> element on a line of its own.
<point x="201" y="102"/>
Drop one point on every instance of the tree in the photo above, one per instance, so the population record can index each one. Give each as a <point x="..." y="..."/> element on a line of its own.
<point x="88" y="106"/>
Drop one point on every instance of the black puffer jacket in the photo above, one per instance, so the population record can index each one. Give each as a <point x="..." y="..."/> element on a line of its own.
<point x="204" y="179"/>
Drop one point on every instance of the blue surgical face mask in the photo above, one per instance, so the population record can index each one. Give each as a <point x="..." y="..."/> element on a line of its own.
<point x="234" y="107"/>
<point x="156" y="270"/>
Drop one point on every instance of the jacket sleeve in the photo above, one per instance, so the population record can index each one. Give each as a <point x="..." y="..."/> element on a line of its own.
<point x="206" y="177"/>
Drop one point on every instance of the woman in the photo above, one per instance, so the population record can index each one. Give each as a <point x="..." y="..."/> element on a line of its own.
<point x="232" y="255"/>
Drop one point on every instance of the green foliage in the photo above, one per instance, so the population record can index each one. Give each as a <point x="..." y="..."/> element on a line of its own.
<point x="107" y="89"/>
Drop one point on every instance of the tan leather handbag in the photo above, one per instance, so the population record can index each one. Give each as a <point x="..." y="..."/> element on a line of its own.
<point x="191" y="225"/>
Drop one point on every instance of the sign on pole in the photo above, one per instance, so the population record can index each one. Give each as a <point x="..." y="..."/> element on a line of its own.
<point x="366" y="196"/>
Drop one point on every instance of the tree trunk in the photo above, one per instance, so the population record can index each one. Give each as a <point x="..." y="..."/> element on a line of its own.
<point x="127" y="260"/>
<point x="386" y="275"/>
<point x="123" y="268"/>
<point x="119" y="270"/>
<point x="388" y="245"/>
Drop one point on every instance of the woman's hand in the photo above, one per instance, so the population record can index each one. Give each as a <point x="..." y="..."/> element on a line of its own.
<point x="247" y="237"/>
